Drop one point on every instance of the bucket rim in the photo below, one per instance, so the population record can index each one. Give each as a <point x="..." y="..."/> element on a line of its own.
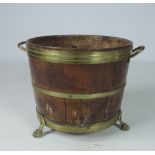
<point x="30" y="42"/>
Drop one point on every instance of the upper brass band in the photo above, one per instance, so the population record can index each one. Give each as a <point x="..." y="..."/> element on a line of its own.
<point x="77" y="96"/>
<point x="91" y="57"/>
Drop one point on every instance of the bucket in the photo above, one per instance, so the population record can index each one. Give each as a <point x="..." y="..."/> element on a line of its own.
<point x="79" y="80"/>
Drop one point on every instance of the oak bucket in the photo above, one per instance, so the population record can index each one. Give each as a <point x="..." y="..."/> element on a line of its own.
<point x="79" y="80"/>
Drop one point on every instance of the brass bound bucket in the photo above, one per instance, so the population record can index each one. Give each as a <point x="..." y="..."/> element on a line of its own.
<point x="79" y="80"/>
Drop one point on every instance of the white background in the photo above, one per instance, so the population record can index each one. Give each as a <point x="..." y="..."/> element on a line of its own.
<point x="19" y="22"/>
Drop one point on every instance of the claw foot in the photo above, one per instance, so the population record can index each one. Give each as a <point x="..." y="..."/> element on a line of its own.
<point x="122" y="125"/>
<point x="37" y="133"/>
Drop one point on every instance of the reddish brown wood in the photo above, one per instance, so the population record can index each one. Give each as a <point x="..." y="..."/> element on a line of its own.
<point x="78" y="112"/>
<point x="76" y="78"/>
<point x="79" y="78"/>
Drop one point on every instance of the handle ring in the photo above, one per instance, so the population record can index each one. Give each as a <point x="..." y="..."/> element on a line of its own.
<point x="137" y="51"/>
<point x="21" y="47"/>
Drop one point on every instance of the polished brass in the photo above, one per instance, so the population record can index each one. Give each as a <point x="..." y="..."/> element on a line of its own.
<point x="122" y="125"/>
<point x="77" y="96"/>
<point x="94" y="57"/>
<point x="21" y="47"/>
<point x="79" y="129"/>
<point x="137" y="50"/>
<point x="38" y="132"/>
<point x="79" y="58"/>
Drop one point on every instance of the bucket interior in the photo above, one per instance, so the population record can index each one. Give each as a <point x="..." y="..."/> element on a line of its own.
<point x="79" y="42"/>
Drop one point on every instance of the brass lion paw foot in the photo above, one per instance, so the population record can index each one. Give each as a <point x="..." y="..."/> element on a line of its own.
<point x="37" y="133"/>
<point x="122" y="125"/>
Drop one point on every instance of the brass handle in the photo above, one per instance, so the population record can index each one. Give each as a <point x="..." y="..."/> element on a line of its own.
<point x="21" y="47"/>
<point x="137" y="50"/>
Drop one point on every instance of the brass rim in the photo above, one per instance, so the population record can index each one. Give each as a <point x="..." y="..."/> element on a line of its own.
<point x="79" y="129"/>
<point x="77" y="96"/>
<point x="95" y="57"/>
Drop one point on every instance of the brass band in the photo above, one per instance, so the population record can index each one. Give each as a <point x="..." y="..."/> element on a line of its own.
<point x="77" y="96"/>
<point x="79" y="129"/>
<point x="85" y="57"/>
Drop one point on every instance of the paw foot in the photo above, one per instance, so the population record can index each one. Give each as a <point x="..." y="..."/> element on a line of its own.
<point x="37" y="133"/>
<point x="124" y="126"/>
